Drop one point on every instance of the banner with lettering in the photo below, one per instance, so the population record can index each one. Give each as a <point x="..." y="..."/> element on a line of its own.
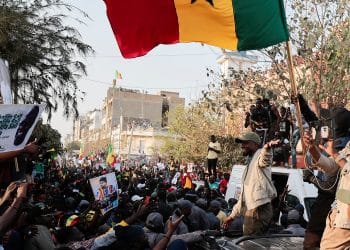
<point x="17" y="122"/>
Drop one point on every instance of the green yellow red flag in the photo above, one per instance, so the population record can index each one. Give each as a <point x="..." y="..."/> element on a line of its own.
<point x="141" y="25"/>
<point x="110" y="156"/>
<point x="118" y="75"/>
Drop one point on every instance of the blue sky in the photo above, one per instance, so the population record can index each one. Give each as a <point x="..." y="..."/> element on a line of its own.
<point x="180" y="67"/>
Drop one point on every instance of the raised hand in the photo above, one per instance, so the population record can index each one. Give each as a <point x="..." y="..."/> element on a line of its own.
<point x="329" y="149"/>
<point x="22" y="190"/>
<point x="227" y="223"/>
<point x="172" y="225"/>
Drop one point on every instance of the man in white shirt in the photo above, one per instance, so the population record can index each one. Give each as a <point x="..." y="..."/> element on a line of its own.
<point x="214" y="149"/>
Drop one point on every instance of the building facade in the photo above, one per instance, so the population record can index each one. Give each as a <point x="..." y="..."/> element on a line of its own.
<point x="121" y="102"/>
<point x="231" y="63"/>
<point x="235" y="61"/>
<point x="132" y="121"/>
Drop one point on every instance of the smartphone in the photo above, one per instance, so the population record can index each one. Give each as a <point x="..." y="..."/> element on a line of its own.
<point x="313" y="133"/>
<point x="324" y="132"/>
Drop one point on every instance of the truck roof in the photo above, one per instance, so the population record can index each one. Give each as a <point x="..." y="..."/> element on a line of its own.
<point x="300" y="191"/>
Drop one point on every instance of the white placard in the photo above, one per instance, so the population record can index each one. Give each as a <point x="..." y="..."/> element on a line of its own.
<point x="17" y="122"/>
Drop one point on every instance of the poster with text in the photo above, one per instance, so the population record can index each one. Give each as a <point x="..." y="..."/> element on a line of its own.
<point x="17" y="122"/>
<point x="105" y="190"/>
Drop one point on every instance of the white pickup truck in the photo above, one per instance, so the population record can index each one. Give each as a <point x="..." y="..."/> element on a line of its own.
<point x="300" y="191"/>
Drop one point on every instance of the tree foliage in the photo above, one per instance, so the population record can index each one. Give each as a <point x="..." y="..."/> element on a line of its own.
<point x="190" y="129"/>
<point x="74" y="145"/>
<point x="47" y="137"/>
<point x="320" y="31"/>
<point x="320" y="35"/>
<point x="41" y="50"/>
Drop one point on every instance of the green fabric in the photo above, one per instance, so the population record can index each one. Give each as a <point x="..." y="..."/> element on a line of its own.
<point x="259" y="23"/>
<point x="110" y="149"/>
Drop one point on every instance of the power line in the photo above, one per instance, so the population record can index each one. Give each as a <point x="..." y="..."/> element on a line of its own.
<point x="213" y="51"/>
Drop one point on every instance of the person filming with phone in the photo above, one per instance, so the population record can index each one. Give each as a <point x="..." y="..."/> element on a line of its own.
<point x="332" y="123"/>
<point x="337" y="230"/>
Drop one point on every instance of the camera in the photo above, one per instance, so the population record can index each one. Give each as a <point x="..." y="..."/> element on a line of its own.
<point x="322" y="130"/>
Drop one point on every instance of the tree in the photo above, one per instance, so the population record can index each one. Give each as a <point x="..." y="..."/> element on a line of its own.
<point x="47" y="137"/>
<point x="74" y="145"/>
<point x="238" y="92"/>
<point x="41" y="50"/>
<point x="190" y="129"/>
<point x="320" y="31"/>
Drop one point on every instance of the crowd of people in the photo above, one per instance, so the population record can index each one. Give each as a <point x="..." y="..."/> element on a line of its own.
<point x="271" y="123"/>
<point x="160" y="206"/>
<point x="163" y="205"/>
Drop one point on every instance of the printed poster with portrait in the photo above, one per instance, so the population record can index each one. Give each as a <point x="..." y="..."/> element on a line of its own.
<point x="105" y="190"/>
<point x="17" y="122"/>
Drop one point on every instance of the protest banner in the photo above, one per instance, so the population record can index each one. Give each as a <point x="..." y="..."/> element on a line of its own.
<point x="105" y="190"/>
<point x="17" y="122"/>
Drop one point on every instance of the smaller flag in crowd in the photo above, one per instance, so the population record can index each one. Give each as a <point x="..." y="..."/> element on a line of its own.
<point x="118" y="75"/>
<point x="111" y="159"/>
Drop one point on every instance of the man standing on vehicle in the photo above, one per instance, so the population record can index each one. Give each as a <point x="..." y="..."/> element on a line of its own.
<point x="214" y="149"/>
<point x="257" y="188"/>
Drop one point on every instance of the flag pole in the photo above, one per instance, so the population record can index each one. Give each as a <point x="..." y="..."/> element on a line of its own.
<point x="295" y="92"/>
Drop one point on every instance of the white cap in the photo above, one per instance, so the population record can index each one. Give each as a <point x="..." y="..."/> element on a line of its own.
<point x="140" y="185"/>
<point x="136" y="198"/>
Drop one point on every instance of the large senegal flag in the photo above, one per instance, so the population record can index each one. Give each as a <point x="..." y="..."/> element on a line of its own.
<point x="141" y="25"/>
